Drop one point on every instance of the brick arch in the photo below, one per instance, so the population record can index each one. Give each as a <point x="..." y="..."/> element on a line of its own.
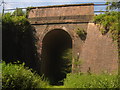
<point x="49" y="29"/>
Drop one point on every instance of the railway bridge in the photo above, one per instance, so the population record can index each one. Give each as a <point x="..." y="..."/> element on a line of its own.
<point x="62" y="27"/>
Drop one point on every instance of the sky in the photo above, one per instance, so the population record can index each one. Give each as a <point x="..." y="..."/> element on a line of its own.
<point x="12" y="4"/>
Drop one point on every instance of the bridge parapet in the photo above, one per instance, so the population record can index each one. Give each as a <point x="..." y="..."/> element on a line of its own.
<point x="62" y="14"/>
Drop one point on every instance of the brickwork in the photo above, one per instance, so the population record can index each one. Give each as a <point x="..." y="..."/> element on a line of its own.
<point x="61" y="14"/>
<point x="77" y="9"/>
<point x="98" y="52"/>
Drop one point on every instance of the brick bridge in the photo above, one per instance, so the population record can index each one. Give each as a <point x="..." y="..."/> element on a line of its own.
<point x="55" y="29"/>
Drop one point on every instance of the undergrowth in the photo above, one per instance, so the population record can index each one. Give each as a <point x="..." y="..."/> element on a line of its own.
<point x="109" y="23"/>
<point x="18" y="76"/>
<point x="91" y="81"/>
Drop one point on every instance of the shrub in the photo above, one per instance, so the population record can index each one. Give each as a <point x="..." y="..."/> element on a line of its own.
<point x="18" y="40"/>
<point x="91" y="81"/>
<point x="67" y="61"/>
<point x="18" y="76"/>
<point x="108" y="23"/>
<point x="81" y="33"/>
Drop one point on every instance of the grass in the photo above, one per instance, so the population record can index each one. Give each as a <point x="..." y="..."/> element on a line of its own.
<point x="56" y="87"/>
<point x="91" y="81"/>
<point x="13" y="74"/>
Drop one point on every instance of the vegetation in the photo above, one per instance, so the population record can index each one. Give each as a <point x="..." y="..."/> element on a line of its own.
<point x="67" y="61"/>
<point x="91" y="81"/>
<point x="18" y="44"/>
<point x="81" y="33"/>
<point x="18" y="12"/>
<point x="19" y="76"/>
<point x="108" y="23"/>
<point x="18" y="40"/>
<point x="0" y="74"/>
<point x="113" y="5"/>
<point x="0" y="21"/>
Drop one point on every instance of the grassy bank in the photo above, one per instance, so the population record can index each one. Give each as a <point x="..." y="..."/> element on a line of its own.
<point x="91" y="81"/>
<point x="18" y="76"/>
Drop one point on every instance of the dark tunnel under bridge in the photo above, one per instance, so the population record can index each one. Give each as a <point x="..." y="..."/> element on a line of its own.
<point x="55" y="43"/>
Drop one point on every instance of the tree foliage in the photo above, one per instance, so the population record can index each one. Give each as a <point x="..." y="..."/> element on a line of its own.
<point x="67" y="61"/>
<point x="18" y="40"/>
<point x="18" y="12"/>
<point x="113" y="5"/>
<point x="108" y="23"/>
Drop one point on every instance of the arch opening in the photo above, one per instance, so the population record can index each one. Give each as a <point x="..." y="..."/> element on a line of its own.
<point x="53" y="65"/>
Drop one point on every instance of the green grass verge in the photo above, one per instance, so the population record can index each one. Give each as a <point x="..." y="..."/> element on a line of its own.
<point x="91" y="81"/>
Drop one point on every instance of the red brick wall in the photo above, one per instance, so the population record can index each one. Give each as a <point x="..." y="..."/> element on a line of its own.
<point x="62" y="11"/>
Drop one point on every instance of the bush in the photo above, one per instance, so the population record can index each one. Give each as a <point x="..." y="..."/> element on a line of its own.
<point x="18" y="76"/>
<point x="67" y="61"/>
<point x="109" y="23"/>
<point x="91" y="81"/>
<point x="81" y="33"/>
<point x="18" y="40"/>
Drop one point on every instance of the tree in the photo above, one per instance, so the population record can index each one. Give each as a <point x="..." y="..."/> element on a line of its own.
<point x="113" y="5"/>
<point x="18" y="12"/>
<point x="116" y="6"/>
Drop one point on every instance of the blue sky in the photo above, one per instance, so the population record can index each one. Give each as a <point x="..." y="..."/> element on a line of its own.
<point x="12" y="4"/>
